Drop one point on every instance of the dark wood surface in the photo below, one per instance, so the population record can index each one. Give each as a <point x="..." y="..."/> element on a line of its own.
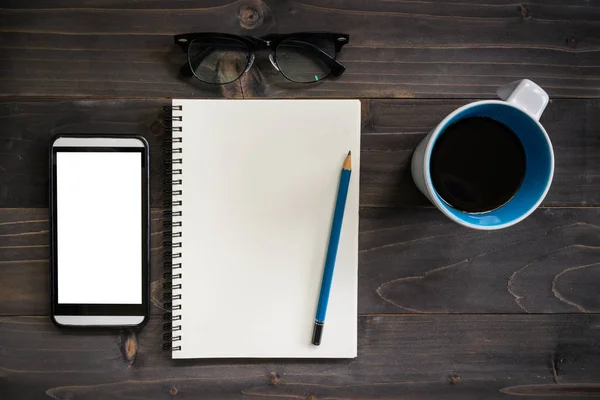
<point x="399" y="357"/>
<point x="445" y="312"/>
<point x="411" y="260"/>
<point x="399" y="49"/>
<point x="391" y="130"/>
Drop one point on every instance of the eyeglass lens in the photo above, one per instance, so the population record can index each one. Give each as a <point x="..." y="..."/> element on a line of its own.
<point x="218" y="60"/>
<point x="305" y="60"/>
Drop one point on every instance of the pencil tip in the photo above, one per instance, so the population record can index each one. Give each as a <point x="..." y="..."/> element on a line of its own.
<point x="348" y="162"/>
<point x="349" y="152"/>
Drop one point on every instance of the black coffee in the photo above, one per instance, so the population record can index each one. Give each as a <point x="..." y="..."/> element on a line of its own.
<point x="477" y="164"/>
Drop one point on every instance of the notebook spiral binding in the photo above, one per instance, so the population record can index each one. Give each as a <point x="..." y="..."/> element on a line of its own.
<point x="172" y="235"/>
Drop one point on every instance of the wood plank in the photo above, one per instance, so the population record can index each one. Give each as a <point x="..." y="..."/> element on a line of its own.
<point x="26" y="129"/>
<point x="410" y="261"/>
<point x="399" y="49"/>
<point x="25" y="266"/>
<point x="408" y="357"/>
<point x="416" y="260"/>
<point x="391" y="130"/>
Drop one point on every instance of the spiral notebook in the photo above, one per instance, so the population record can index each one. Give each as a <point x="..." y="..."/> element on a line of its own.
<point x="251" y="202"/>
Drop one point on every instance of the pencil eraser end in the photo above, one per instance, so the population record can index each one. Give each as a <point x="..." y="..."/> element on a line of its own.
<point x="317" y="333"/>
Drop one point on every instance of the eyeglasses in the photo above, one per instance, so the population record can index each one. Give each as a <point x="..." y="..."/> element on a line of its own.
<point x="219" y="58"/>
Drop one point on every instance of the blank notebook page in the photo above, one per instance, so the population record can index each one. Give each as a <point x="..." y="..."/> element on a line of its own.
<point x="260" y="179"/>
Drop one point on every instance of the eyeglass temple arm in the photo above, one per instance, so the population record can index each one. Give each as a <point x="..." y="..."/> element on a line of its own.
<point x="336" y="67"/>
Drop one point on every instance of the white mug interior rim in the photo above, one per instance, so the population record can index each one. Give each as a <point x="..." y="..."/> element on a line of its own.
<point x="427" y="158"/>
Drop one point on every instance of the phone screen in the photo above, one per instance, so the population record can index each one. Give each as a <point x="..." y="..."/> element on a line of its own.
<point x="99" y="232"/>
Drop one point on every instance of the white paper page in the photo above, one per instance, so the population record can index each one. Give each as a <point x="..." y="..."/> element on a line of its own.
<point x="260" y="179"/>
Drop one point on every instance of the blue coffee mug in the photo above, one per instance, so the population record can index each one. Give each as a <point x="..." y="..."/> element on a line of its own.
<point x="524" y="102"/>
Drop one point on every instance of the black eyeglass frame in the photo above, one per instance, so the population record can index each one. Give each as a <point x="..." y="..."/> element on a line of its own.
<point x="270" y="42"/>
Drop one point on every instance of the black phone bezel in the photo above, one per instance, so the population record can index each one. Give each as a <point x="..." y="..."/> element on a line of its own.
<point x="142" y="309"/>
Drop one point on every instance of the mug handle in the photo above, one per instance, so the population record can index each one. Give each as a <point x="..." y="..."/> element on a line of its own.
<point x="526" y="95"/>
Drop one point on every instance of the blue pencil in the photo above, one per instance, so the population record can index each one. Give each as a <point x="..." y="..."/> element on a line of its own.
<point x="334" y="240"/>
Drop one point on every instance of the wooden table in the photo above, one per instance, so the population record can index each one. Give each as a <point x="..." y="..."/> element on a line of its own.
<point x="445" y="312"/>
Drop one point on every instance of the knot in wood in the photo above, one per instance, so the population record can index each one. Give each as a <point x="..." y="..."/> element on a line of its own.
<point x="157" y="128"/>
<point x="129" y="346"/>
<point x="173" y="391"/>
<point x="273" y="379"/>
<point x="251" y="17"/>
<point x="524" y="11"/>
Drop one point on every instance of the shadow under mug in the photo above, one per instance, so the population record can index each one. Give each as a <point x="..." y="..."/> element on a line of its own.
<point x="524" y="102"/>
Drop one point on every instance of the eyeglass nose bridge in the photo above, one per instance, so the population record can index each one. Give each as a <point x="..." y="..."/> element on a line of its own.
<point x="271" y="58"/>
<point x="250" y="63"/>
<point x="273" y="62"/>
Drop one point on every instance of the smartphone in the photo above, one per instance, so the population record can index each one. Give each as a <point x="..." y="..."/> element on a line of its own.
<point x="100" y="230"/>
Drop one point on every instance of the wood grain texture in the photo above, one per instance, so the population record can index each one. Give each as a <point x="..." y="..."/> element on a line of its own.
<point x="26" y="129"/>
<point x="415" y="260"/>
<point x="408" y="357"/>
<point x="25" y="265"/>
<point x="410" y="261"/>
<point x="445" y="312"/>
<point x="398" y="49"/>
<point x="391" y="130"/>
